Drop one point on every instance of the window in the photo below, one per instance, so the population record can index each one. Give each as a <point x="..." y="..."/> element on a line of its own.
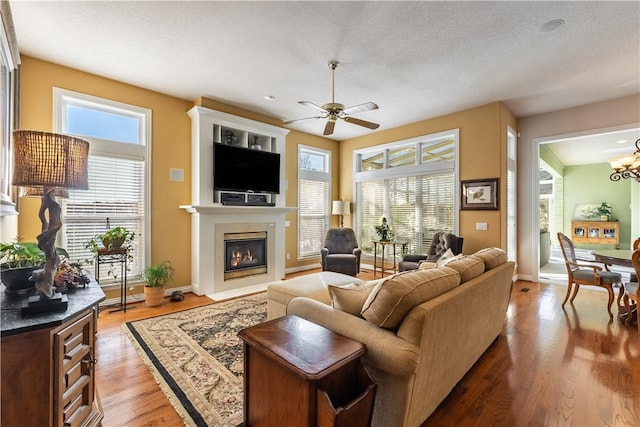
<point x="119" y="138"/>
<point x="411" y="183"/>
<point x="511" y="195"/>
<point x="314" y="199"/>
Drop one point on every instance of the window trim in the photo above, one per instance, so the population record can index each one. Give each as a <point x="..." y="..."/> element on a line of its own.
<point x="411" y="170"/>
<point x="98" y="147"/>
<point x="317" y="176"/>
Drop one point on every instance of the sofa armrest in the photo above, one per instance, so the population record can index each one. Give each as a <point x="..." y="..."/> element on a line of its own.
<point x="385" y="350"/>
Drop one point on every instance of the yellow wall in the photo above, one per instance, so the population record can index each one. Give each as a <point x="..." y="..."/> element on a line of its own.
<point x="482" y="155"/>
<point x="171" y="148"/>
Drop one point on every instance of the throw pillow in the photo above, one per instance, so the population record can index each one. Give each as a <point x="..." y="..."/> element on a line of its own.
<point x="468" y="267"/>
<point x="492" y="257"/>
<point x="426" y="265"/>
<point x="391" y="299"/>
<point x="444" y="261"/>
<point x="351" y="297"/>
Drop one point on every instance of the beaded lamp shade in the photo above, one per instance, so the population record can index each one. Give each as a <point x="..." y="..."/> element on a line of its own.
<point x="49" y="160"/>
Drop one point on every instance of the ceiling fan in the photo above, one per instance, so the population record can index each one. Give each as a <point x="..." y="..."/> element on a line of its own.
<point x="334" y="111"/>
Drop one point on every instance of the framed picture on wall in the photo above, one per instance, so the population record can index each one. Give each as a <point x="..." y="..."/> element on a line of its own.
<point x="479" y="194"/>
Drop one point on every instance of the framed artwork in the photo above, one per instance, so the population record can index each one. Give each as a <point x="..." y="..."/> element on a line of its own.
<point x="479" y="194"/>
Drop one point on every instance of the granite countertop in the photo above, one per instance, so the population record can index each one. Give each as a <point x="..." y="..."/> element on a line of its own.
<point x="12" y="322"/>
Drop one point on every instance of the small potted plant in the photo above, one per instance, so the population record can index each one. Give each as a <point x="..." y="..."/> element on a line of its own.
<point x="604" y="210"/>
<point x="112" y="240"/>
<point x="18" y="261"/>
<point x="383" y="230"/>
<point x="156" y="277"/>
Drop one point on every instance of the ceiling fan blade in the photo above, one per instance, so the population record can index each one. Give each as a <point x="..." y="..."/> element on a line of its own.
<point x="367" y="106"/>
<point x="361" y="122"/>
<point x="312" y="105"/>
<point x="328" y="129"/>
<point x="299" y="120"/>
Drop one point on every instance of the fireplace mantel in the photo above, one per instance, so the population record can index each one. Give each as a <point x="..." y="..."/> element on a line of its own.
<point x="220" y="209"/>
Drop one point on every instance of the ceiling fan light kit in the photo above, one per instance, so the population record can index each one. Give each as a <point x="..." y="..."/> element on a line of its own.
<point x="334" y="110"/>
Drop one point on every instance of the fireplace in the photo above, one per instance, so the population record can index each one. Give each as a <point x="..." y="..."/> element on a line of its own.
<point x="245" y="254"/>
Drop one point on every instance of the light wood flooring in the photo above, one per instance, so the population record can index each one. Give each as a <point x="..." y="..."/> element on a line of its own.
<point x="549" y="367"/>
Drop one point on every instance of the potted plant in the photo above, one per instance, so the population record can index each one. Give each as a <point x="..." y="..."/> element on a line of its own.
<point x="156" y="277"/>
<point x="604" y="210"/>
<point x="18" y="261"/>
<point x="111" y="240"/>
<point x="383" y="230"/>
<point x="114" y="238"/>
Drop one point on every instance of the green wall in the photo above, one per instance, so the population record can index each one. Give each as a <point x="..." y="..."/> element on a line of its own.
<point x="591" y="184"/>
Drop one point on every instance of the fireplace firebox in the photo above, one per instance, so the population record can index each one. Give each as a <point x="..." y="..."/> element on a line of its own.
<point x="245" y="254"/>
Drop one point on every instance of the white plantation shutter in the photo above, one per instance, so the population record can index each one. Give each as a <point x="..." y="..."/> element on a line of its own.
<point x="312" y="209"/>
<point x="417" y="196"/>
<point x="116" y="192"/>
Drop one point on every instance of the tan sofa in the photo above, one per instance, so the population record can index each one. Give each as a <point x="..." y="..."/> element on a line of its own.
<point x="424" y="329"/>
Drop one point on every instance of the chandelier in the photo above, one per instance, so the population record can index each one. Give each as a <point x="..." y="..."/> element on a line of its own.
<point x="626" y="166"/>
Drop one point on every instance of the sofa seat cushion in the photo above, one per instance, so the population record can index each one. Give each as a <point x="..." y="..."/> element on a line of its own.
<point x="492" y="257"/>
<point x="468" y="267"/>
<point x="351" y="297"/>
<point x="392" y="298"/>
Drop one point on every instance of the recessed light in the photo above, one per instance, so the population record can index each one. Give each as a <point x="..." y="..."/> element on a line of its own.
<point x="270" y="97"/>
<point x="622" y="141"/>
<point x="551" y="26"/>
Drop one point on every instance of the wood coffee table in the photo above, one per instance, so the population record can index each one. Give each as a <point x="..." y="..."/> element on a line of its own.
<point x="290" y="362"/>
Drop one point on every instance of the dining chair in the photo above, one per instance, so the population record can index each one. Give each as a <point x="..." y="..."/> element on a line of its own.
<point x="633" y="277"/>
<point x="584" y="272"/>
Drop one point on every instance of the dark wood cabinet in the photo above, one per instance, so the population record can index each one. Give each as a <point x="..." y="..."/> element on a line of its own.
<point x="47" y="372"/>
<point x="293" y="366"/>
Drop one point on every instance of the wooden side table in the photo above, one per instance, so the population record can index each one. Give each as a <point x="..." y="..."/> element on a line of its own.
<point x="382" y="244"/>
<point x="289" y="362"/>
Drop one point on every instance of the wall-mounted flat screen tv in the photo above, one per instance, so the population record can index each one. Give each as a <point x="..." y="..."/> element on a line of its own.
<point x="245" y="170"/>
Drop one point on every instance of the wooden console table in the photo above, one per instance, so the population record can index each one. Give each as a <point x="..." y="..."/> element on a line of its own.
<point x="292" y="365"/>
<point x="599" y="232"/>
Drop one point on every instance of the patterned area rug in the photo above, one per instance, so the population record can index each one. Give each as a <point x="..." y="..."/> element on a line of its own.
<point x="197" y="358"/>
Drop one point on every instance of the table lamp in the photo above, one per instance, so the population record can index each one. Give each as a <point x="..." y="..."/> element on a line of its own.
<point x="342" y="208"/>
<point x="52" y="162"/>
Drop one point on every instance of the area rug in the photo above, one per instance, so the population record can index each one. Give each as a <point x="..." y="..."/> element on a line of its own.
<point x="197" y="358"/>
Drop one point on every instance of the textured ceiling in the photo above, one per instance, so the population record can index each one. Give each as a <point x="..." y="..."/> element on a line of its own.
<point x="416" y="60"/>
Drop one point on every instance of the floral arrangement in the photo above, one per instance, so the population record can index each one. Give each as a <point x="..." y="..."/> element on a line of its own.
<point x="69" y="276"/>
<point x="590" y="211"/>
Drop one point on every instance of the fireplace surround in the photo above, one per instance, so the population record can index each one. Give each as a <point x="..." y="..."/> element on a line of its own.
<point x="211" y="220"/>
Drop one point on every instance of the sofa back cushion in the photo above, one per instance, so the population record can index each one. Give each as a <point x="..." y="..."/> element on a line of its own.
<point x="391" y="299"/>
<point x="468" y="267"/>
<point x="351" y="297"/>
<point x="492" y="257"/>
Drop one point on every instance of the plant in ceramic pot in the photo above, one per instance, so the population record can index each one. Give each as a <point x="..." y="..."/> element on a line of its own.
<point x="156" y="277"/>
<point x="113" y="239"/>
<point x="604" y="210"/>
<point x="18" y="261"/>
<point x="383" y="230"/>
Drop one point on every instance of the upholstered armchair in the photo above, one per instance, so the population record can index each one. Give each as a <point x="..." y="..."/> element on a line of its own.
<point x="340" y="252"/>
<point x="442" y="241"/>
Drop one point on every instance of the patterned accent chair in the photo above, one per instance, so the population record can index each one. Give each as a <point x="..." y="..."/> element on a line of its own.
<point x="340" y="252"/>
<point x="442" y="241"/>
